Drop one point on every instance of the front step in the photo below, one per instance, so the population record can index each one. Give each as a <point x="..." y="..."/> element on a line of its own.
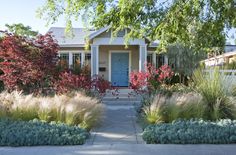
<point x="121" y="97"/>
<point x="121" y="102"/>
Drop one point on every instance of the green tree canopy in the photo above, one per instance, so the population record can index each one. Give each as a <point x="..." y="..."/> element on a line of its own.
<point x="183" y="60"/>
<point x="21" y="30"/>
<point x="198" y="24"/>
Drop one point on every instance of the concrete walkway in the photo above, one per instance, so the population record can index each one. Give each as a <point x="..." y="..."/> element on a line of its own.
<point x="119" y="127"/>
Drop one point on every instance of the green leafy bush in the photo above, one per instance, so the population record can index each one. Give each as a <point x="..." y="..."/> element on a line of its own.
<point x="191" y="132"/>
<point x="21" y="133"/>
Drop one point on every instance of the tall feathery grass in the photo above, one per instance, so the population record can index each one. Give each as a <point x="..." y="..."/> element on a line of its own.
<point x="74" y="109"/>
<point x="215" y="89"/>
<point x="166" y="109"/>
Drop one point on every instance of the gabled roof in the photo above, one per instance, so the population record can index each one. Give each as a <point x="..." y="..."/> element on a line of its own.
<point x="98" y="32"/>
<point x="78" y="40"/>
<point x="80" y="34"/>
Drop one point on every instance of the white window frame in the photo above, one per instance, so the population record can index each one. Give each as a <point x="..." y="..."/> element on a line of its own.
<point x="71" y="52"/>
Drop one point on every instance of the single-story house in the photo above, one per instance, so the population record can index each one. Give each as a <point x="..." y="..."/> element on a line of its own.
<point x="219" y="60"/>
<point x="107" y="55"/>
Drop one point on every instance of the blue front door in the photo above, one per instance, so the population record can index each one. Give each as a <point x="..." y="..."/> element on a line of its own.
<point x="120" y="69"/>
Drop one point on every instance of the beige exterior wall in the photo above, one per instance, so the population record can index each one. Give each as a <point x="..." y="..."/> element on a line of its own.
<point x="104" y="57"/>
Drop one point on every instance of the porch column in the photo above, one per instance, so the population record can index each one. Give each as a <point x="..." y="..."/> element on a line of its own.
<point x="94" y="59"/>
<point x="70" y="59"/>
<point x="154" y="59"/>
<point x="166" y="60"/>
<point x="82" y="58"/>
<point x="142" y="57"/>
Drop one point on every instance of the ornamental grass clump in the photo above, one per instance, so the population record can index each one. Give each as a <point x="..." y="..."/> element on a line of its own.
<point x="167" y="109"/>
<point x="153" y="113"/>
<point x="72" y="109"/>
<point x="215" y="88"/>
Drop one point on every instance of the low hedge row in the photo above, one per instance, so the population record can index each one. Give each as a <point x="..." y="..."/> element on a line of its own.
<point x="191" y="132"/>
<point x="22" y="133"/>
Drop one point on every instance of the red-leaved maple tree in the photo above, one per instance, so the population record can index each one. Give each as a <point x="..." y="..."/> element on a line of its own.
<point x="31" y="65"/>
<point x="27" y="64"/>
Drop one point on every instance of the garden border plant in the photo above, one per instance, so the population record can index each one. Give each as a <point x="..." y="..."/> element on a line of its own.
<point x="35" y="132"/>
<point x="191" y="132"/>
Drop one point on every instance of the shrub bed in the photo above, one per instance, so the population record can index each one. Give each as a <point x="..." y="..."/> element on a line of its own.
<point x="191" y="132"/>
<point x="21" y="133"/>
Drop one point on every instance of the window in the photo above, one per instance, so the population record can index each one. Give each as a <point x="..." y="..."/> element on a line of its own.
<point x="87" y="60"/>
<point x="149" y="58"/>
<point x="160" y="60"/>
<point x="64" y="56"/>
<point x="76" y="61"/>
<point x="64" y="60"/>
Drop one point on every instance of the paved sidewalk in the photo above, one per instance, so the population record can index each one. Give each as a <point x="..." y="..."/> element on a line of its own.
<point x="123" y="149"/>
<point x="118" y="127"/>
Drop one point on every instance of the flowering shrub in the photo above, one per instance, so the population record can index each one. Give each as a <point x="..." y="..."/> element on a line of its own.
<point x="151" y="78"/>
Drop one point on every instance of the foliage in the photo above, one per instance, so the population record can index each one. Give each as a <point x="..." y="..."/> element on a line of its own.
<point x="151" y="78"/>
<point x="72" y="109"/>
<point x="231" y="65"/>
<point x="100" y="84"/>
<point x="166" y="109"/>
<point x="214" y="88"/>
<point x="153" y="112"/>
<point x="21" y="30"/>
<point x="183" y="60"/>
<point x="68" y="81"/>
<point x="32" y="66"/>
<point x="194" y="23"/>
<point x="168" y="90"/>
<point x="191" y="132"/>
<point x="234" y="91"/>
<point x="21" y="133"/>
<point x="27" y="64"/>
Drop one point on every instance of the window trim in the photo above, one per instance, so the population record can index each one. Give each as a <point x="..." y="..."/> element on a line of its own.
<point x="71" y="52"/>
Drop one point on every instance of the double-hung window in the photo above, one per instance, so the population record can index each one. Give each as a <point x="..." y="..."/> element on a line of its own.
<point x="76" y="62"/>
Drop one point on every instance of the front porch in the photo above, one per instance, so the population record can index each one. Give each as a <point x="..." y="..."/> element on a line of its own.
<point x="115" y="62"/>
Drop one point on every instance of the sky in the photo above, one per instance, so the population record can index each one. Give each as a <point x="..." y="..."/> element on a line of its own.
<point x="24" y="11"/>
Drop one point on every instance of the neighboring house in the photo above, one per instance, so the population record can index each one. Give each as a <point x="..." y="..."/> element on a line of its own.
<point x="219" y="60"/>
<point x="108" y="56"/>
